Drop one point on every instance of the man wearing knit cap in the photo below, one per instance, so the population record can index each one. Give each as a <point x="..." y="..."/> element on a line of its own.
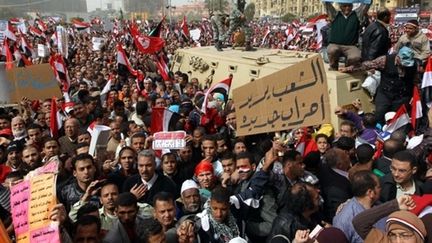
<point x="416" y="40"/>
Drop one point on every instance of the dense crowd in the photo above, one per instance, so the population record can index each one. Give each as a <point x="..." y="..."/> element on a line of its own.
<point x="366" y="181"/>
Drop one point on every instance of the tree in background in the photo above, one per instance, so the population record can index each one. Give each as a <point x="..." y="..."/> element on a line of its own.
<point x="216" y="5"/>
<point x="249" y="11"/>
<point x="289" y="17"/>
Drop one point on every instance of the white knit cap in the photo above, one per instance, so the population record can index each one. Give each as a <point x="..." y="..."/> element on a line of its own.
<point x="188" y="184"/>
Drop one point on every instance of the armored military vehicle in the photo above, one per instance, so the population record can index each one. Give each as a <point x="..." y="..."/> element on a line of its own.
<point x="211" y="66"/>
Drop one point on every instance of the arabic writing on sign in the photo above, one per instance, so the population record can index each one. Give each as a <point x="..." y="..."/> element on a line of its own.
<point x="20" y="194"/>
<point x="31" y="203"/>
<point x="293" y="97"/>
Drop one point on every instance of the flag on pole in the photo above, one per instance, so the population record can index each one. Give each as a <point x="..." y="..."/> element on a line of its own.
<point x="163" y="119"/>
<point x="60" y="71"/>
<point x="79" y="25"/>
<point x="222" y="87"/>
<point x="427" y="84"/>
<point x="400" y="119"/>
<point x="122" y="60"/>
<point x="162" y="67"/>
<point x="416" y="108"/>
<point x="8" y="53"/>
<point x="184" y="27"/>
<point x="55" y="119"/>
<point x="9" y="33"/>
<point x="157" y="30"/>
<point x="148" y="44"/>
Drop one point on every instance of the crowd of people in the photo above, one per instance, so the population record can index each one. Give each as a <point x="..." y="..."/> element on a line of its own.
<point x="366" y="181"/>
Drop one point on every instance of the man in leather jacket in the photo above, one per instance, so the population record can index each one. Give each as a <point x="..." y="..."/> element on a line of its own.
<point x="376" y="40"/>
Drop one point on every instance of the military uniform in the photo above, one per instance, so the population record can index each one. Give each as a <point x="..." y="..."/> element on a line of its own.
<point x="217" y="21"/>
<point x="237" y="20"/>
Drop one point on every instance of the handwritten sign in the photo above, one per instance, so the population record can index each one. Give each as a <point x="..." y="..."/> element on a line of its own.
<point x="169" y="140"/>
<point x="294" y="97"/>
<point x="31" y="203"/>
<point x="33" y="82"/>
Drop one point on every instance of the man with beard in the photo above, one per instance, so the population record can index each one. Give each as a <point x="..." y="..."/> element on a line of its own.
<point x="124" y="229"/>
<point x="31" y="158"/>
<point x="189" y="202"/>
<point x="83" y="188"/>
<point x="147" y="182"/>
<point x="18" y="129"/>
<point x="68" y="142"/>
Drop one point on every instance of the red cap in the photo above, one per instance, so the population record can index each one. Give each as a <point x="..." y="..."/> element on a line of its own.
<point x="6" y="132"/>
<point x="202" y="167"/>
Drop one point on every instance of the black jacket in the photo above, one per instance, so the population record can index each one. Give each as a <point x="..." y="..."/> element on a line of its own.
<point x="388" y="188"/>
<point x="287" y="224"/>
<point x="162" y="183"/>
<point x="335" y="189"/>
<point x="376" y="41"/>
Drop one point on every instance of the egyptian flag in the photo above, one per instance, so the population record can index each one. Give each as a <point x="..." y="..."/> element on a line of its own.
<point x="266" y="33"/>
<point x="184" y="28"/>
<point x="41" y="25"/>
<point x="8" y="54"/>
<point x="222" y="87"/>
<point x="427" y="84"/>
<point x="319" y="21"/>
<point x="162" y="67"/>
<point x="9" y="32"/>
<point x="416" y="108"/>
<point x="148" y="44"/>
<point x="36" y="32"/>
<point x="157" y="31"/>
<point x="60" y="71"/>
<point x="400" y="119"/>
<point x="290" y="33"/>
<point x="25" y="46"/>
<point x="55" y="119"/>
<point x="296" y="23"/>
<point x="79" y="25"/>
<point x="22" y="60"/>
<point x="123" y="61"/>
<point x="163" y="119"/>
<point x="14" y="21"/>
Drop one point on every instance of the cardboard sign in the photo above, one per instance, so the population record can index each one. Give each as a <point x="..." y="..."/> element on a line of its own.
<point x="294" y="97"/>
<point x="33" y="82"/>
<point x="100" y="135"/>
<point x="31" y="203"/>
<point x="97" y="43"/>
<point x="169" y="140"/>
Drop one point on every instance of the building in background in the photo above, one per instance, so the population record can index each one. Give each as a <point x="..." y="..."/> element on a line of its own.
<point x="102" y="5"/>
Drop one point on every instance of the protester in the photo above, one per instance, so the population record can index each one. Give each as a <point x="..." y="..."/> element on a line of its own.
<point x="213" y="186"/>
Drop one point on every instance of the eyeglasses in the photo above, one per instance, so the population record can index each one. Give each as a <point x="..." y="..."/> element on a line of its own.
<point x="404" y="235"/>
